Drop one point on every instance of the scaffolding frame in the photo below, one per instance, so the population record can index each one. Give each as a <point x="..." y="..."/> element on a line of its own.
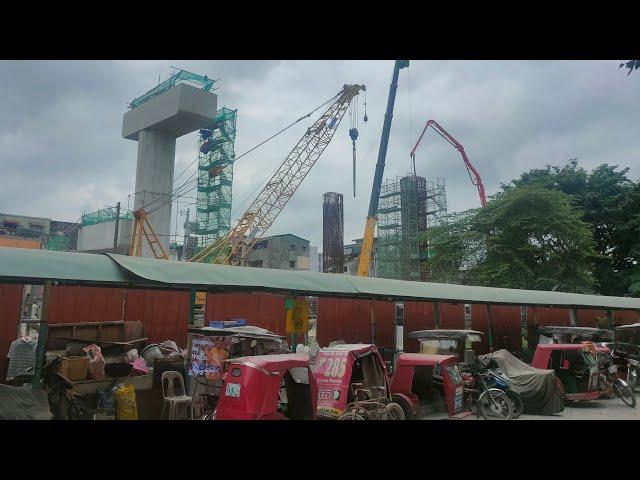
<point x="408" y="207"/>
<point x="216" y="155"/>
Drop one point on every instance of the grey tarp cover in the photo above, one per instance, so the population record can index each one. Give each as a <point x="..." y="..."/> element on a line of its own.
<point x="536" y="386"/>
<point x="18" y="403"/>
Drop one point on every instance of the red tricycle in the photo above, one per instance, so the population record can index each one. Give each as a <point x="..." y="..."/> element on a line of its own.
<point x="353" y="385"/>
<point x="424" y="384"/>
<point x="575" y="366"/>
<point x="268" y="387"/>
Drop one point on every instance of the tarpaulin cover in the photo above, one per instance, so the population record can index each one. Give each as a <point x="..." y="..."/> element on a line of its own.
<point x="536" y="386"/>
<point x="18" y="403"/>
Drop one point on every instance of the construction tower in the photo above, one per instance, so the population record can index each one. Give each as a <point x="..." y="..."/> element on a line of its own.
<point x="332" y="233"/>
<point x="216" y="154"/>
<point x="407" y="207"/>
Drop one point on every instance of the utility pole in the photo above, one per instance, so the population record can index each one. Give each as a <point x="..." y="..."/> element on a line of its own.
<point x="115" y="233"/>
<point x="186" y="237"/>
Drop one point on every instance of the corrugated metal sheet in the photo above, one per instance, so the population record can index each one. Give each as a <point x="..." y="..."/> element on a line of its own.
<point x="165" y="315"/>
<point x="10" y="304"/>
<point x="26" y="264"/>
<point x="85" y="304"/>
<point x="350" y="320"/>
<point x="262" y="310"/>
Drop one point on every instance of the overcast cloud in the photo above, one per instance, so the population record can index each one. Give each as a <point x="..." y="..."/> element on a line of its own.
<point x="62" y="153"/>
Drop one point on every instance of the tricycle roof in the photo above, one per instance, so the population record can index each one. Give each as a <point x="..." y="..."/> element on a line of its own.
<point x="575" y="330"/>
<point x="247" y="332"/>
<point x="630" y="327"/>
<point x="356" y="348"/>
<point x="279" y="361"/>
<point x="411" y="359"/>
<point x="442" y="334"/>
<point x="563" y="346"/>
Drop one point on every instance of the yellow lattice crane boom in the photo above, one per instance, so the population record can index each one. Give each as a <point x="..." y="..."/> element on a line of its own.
<point x="282" y="185"/>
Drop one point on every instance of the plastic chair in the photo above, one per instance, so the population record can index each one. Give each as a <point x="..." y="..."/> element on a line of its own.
<point x="174" y="393"/>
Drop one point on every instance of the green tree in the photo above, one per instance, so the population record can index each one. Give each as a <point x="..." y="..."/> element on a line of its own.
<point x="631" y="65"/>
<point x="601" y="197"/>
<point x="627" y="235"/>
<point x="527" y="236"/>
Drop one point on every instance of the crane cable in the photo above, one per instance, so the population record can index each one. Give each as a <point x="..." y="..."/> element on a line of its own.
<point x="169" y="197"/>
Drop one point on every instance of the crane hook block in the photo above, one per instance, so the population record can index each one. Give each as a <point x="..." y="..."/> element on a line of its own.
<point x="353" y="134"/>
<point x="365" y="118"/>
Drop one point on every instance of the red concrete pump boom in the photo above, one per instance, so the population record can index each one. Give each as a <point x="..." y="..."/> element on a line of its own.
<point x="473" y="173"/>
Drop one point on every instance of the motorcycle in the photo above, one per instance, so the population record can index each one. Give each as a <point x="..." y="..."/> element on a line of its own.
<point x="610" y="384"/>
<point x="63" y="403"/>
<point x="492" y="403"/>
<point x="503" y="383"/>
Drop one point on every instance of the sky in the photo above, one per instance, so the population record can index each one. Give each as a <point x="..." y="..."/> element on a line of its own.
<point x="62" y="151"/>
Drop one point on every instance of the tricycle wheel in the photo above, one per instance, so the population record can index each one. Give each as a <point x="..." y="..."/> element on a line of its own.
<point x="393" y="411"/>
<point x="351" y="415"/>
<point x="406" y="408"/>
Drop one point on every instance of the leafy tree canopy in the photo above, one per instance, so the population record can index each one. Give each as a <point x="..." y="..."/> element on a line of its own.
<point x="528" y="236"/>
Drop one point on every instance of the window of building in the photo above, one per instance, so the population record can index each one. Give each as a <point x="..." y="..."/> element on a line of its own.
<point x="10" y="225"/>
<point x="262" y="244"/>
<point x="292" y="264"/>
<point x="255" y="263"/>
<point x="345" y="269"/>
<point x="35" y="227"/>
<point x="292" y="247"/>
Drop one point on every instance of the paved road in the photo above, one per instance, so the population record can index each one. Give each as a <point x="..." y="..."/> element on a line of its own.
<point x="600" y="409"/>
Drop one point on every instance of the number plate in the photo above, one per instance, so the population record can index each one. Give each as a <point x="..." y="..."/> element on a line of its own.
<point x="232" y="390"/>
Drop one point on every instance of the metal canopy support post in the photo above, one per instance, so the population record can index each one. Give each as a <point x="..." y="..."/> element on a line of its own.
<point x="373" y="322"/>
<point x="436" y="311"/>
<point x="43" y="332"/>
<point x="489" y="327"/>
<point x="399" y="326"/>
<point x="117" y="227"/>
<point x="573" y="317"/>
<point x="192" y="307"/>
<point x="610" y="318"/>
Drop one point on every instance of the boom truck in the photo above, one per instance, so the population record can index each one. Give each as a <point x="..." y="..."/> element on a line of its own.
<point x="372" y="219"/>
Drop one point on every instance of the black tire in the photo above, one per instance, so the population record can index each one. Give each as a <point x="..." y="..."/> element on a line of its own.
<point x="493" y="404"/>
<point x="406" y="408"/>
<point x="518" y="404"/>
<point x="625" y="394"/>
<point x="393" y="411"/>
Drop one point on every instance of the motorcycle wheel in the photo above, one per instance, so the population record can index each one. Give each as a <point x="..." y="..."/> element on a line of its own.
<point x="518" y="404"/>
<point x="493" y="404"/>
<point x="393" y="411"/>
<point x="625" y="394"/>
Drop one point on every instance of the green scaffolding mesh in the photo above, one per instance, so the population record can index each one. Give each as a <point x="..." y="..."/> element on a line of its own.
<point x="59" y="243"/>
<point x="216" y="147"/>
<point x="105" y="215"/>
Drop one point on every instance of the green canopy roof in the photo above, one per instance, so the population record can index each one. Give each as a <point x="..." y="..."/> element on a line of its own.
<point x="206" y="275"/>
<point x="23" y="264"/>
<point x="34" y="266"/>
